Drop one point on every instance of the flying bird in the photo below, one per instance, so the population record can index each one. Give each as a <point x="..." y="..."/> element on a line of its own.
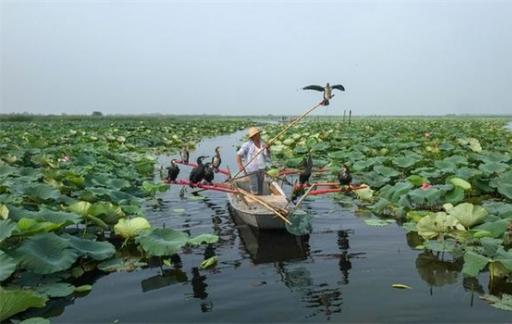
<point x="327" y="90"/>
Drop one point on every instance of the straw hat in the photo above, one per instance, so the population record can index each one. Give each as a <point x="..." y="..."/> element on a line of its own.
<point x="253" y="131"/>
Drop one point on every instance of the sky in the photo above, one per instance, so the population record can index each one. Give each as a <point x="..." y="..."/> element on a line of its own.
<point x="249" y="58"/>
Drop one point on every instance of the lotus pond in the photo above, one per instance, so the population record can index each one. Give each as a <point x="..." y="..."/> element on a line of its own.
<point x="88" y="233"/>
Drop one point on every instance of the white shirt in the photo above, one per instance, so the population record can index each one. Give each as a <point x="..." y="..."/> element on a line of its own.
<point x="247" y="152"/>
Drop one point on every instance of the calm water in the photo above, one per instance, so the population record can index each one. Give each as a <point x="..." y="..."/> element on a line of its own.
<point x="343" y="271"/>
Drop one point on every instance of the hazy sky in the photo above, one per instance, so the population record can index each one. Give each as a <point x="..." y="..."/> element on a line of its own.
<point x="245" y="57"/>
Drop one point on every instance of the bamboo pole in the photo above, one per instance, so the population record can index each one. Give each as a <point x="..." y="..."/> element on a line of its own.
<point x="279" y="135"/>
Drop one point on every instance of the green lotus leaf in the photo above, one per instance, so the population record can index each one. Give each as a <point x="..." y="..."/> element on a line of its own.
<point x="4" y="211"/>
<point x="364" y="193"/>
<point x="203" y="238"/>
<point x="457" y="159"/>
<point x="83" y="288"/>
<point x="467" y="173"/>
<point x="152" y="188"/>
<point x="503" y="303"/>
<point x="386" y="171"/>
<point x="41" y="191"/>
<point x="504" y="184"/>
<point x="209" y="263"/>
<point x="58" y="217"/>
<point x="6" y="228"/>
<point x="440" y="245"/>
<point x="498" y="208"/>
<point x="17" y="300"/>
<point x="273" y="172"/>
<point x="468" y="214"/>
<point x="461" y="183"/>
<point x="445" y="166"/>
<point x="45" y="253"/>
<point x="378" y="222"/>
<point x="93" y="249"/>
<point x="474" y="145"/>
<point x="405" y="162"/>
<point x="6" y="170"/>
<point x="55" y="289"/>
<point x="129" y="228"/>
<point x="474" y="263"/>
<point x="437" y="225"/>
<point x="7" y="266"/>
<point x="417" y="180"/>
<point x="29" y="226"/>
<point x="493" y="167"/>
<point x="455" y="196"/>
<point x="119" y="264"/>
<point x="35" y="320"/>
<point x="81" y="208"/>
<point x="337" y="155"/>
<point x="162" y="241"/>
<point x="496" y="228"/>
<point x="106" y="211"/>
<point x="416" y="215"/>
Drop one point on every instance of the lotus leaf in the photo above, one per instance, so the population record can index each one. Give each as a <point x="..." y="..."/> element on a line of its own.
<point x="119" y="264"/>
<point x="437" y="225"/>
<point x="6" y="228"/>
<point x="455" y="196"/>
<point x="378" y="222"/>
<point x="386" y="171"/>
<point x="81" y="208"/>
<point x="41" y="191"/>
<point x="209" y="263"/>
<point x="106" y="211"/>
<point x="364" y="193"/>
<point x="7" y="266"/>
<point x="474" y="145"/>
<point x="461" y="183"/>
<point x="468" y="214"/>
<point x="504" y="184"/>
<point x="504" y="303"/>
<point x="4" y="211"/>
<point x="203" y="238"/>
<point x="129" y="228"/>
<point x="496" y="228"/>
<point x="500" y="209"/>
<point x="93" y="249"/>
<point x="492" y="167"/>
<point x="57" y="289"/>
<point x="16" y="300"/>
<point x="35" y="320"/>
<point x="474" y="263"/>
<point x="29" y="226"/>
<point x="417" y="180"/>
<point x="45" y="253"/>
<point x="162" y="241"/>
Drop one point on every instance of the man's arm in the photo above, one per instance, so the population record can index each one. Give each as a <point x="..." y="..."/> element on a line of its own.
<point x="240" y="163"/>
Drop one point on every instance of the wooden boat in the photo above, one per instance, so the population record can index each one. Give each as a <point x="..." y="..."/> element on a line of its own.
<point x="255" y="214"/>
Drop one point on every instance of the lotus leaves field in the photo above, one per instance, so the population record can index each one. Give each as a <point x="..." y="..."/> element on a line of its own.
<point x="71" y="197"/>
<point x="449" y="181"/>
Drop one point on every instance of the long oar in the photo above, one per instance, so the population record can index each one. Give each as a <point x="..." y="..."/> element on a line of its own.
<point x="298" y="119"/>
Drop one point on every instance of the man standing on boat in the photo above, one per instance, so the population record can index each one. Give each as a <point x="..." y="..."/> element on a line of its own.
<point x="256" y="169"/>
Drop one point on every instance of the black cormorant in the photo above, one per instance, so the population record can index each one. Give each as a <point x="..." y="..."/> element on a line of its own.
<point x="172" y="171"/>
<point x="216" y="160"/>
<point x="344" y="176"/>
<point x="197" y="173"/>
<point x="208" y="172"/>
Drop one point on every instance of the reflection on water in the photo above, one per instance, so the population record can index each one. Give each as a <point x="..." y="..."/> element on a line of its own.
<point x="437" y="272"/>
<point x="166" y="278"/>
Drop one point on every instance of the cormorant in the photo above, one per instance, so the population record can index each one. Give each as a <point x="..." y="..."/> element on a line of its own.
<point x="184" y="154"/>
<point x="327" y="90"/>
<point x="208" y="172"/>
<point x="172" y="171"/>
<point x="307" y="163"/>
<point x="197" y="173"/>
<point x="216" y="160"/>
<point x="344" y="176"/>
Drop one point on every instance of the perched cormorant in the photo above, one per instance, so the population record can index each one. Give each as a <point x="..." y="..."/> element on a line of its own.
<point x="327" y="90"/>
<point x="208" y="172"/>
<point x="307" y="163"/>
<point x="184" y="154"/>
<point x="344" y="176"/>
<point x="216" y="160"/>
<point x="172" y="171"/>
<point x="197" y="173"/>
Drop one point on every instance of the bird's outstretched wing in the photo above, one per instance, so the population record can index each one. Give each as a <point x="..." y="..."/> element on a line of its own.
<point x="314" y="87"/>
<point x="339" y="87"/>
